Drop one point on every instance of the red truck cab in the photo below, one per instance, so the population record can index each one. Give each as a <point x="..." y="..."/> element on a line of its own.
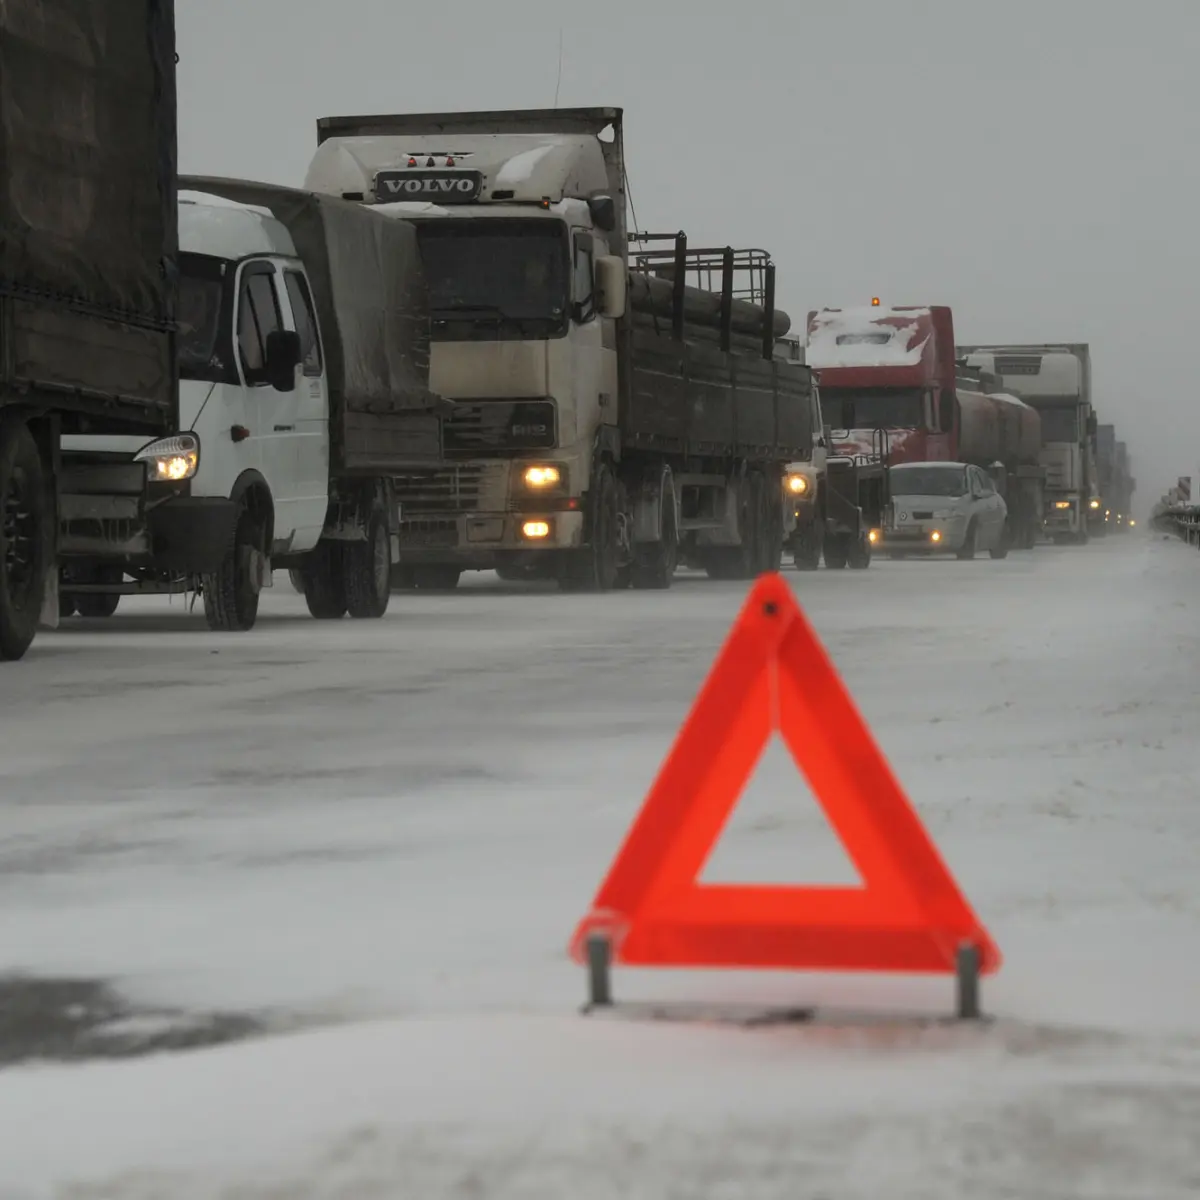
<point x="886" y="377"/>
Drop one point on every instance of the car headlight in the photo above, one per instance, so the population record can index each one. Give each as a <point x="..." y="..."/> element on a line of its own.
<point x="797" y="484"/>
<point x="542" y="475"/>
<point x="171" y="459"/>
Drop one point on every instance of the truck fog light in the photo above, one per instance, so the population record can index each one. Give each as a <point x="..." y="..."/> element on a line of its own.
<point x="873" y="536"/>
<point x="535" y="530"/>
<point x="935" y="536"/>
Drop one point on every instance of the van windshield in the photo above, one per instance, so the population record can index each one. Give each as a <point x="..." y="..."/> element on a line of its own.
<point x="929" y="481"/>
<point x="495" y="278"/>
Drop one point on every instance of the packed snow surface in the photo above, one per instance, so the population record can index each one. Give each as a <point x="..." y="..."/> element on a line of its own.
<point x="377" y="838"/>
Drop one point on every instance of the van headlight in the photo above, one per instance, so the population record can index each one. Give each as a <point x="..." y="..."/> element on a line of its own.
<point x="171" y="459"/>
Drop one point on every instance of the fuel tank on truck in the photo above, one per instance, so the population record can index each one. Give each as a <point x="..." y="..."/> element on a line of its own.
<point x="997" y="427"/>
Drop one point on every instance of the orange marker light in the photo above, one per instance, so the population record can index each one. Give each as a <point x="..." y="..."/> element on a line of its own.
<point x="874" y="301"/>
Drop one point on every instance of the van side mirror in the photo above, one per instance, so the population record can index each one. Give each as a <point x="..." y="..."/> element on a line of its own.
<point x="604" y="213"/>
<point x="611" y="286"/>
<point x="283" y="357"/>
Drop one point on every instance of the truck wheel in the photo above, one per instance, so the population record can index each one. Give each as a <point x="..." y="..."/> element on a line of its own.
<point x="98" y="604"/>
<point x="859" y="556"/>
<point x="367" y="571"/>
<point x="26" y="538"/>
<point x="436" y="577"/>
<point x="837" y="551"/>
<point x="966" y="551"/>
<point x="324" y="583"/>
<point x="806" y="550"/>
<point x="594" y="569"/>
<point x="743" y="561"/>
<point x="770" y="525"/>
<point x="654" y="564"/>
<point x="297" y="580"/>
<point x="230" y="595"/>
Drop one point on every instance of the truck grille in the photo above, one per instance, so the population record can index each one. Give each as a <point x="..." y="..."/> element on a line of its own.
<point x="501" y="426"/>
<point x="457" y="490"/>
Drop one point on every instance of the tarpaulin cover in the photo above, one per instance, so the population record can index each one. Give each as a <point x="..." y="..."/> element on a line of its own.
<point x="87" y="153"/>
<point x="88" y="225"/>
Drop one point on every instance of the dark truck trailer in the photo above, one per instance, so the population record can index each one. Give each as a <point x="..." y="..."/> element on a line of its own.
<point x="88" y="253"/>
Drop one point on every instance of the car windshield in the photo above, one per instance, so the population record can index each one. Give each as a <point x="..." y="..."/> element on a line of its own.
<point x="201" y="295"/>
<point x="929" y="481"/>
<point x="504" y="277"/>
<point x="874" y="408"/>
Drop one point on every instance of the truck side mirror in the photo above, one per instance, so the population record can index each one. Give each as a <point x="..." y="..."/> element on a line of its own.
<point x="611" y="283"/>
<point x="283" y="357"/>
<point x="604" y="213"/>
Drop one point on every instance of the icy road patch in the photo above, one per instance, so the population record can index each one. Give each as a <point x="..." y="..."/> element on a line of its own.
<point x="390" y="830"/>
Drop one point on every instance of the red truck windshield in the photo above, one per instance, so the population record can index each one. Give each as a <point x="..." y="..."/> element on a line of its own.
<point x="874" y="408"/>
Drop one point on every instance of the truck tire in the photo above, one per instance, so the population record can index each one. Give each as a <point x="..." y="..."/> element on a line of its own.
<point x="230" y="597"/>
<point x="837" y="551"/>
<point x="966" y="552"/>
<point x="595" y="567"/>
<point x="324" y="583"/>
<point x="806" y="549"/>
<point x="858" y="557"/>
<point x="26" y="538"/>
<point x="367" y="571"/>
<point x="654" y="563"/>
<point x="772" y="525"/>
<point x="296" y="578"/>
<point x="98" y="604"/>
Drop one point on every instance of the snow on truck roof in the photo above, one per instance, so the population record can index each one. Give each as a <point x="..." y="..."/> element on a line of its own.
<point x="210" y="224"/>
<point x="868" y="337"/>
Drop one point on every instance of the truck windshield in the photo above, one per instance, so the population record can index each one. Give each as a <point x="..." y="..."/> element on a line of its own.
<point x="203" y="353"/>
<point x="495" y="278"/>
<point x="875" y="408"/>
<point x="928" y="481"/>
<point x="1060" y="423"/>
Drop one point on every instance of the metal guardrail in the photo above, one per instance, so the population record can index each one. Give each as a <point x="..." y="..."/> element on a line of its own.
<point x="1182" y="520"/>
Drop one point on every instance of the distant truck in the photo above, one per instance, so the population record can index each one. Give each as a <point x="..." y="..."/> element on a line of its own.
<point x="304" y="350"/>
<point x="88" y="258"/>
<point x="1115" y="483"/>
<point x="1056" y="379"/>
<point x="618" y="404"/>
<point x="894" y="392"/>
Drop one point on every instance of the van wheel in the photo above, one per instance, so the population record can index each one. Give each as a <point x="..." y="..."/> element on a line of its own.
<point x="230" y="597"/>
<point x="26" y="538"/>
<point x="367" y="571"/>
<point x="324" y="584"/>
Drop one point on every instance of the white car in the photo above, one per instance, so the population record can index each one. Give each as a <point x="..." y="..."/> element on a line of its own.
<point x="945" y="508"/>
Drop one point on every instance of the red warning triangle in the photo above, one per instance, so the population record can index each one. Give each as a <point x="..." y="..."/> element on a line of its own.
<point x="771" y="676"/>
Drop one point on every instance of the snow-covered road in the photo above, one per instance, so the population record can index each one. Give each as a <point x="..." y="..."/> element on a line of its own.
<point x="390" y="829"/>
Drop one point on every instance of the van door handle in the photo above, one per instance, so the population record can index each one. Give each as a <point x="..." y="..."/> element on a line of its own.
<point x="284" y="428"/>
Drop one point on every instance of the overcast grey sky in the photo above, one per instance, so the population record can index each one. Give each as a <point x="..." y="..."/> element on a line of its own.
<point x="1035" y="165"/>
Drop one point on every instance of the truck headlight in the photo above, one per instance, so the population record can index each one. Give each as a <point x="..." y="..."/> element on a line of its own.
<point x="797" y="484"/>
<point x="1094" y="504"/>
<point x="171" y="459"/>
<point x="542" y="475"/>
<point x="1061" y="504"/>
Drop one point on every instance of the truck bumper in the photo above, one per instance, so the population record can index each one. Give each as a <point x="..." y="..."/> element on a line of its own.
<point x="189" y="535"/>
<point x="481" y="540"/>
<point x="1062" y="520"/>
